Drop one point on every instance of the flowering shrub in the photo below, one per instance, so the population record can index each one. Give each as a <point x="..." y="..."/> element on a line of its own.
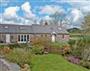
<point x="73" y="59"/>
<point x="4" y="50"/>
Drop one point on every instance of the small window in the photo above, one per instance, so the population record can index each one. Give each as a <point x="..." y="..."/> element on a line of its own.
<point x="12" y="37"/>
<point x="27" y="37"/>
<point x="45" y="35"/>
<point x="18" y="37"/>
<point x="22" y="28"/>
<point x="62" y="36"/>
<point x="21" y="37"/>
<point x="41" y="35"/>
<point x="6" y="27"/>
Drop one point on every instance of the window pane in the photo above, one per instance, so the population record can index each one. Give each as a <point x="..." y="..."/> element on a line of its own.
<point x="18" y="37"/>
<point x="27" y="37"/>
<point x="24" y="37"/>
<point x="21" y="37"/>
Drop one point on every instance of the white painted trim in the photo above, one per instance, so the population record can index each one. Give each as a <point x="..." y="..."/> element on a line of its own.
<point x="53" y="38"/>
<point x="7" y="38"/>
<point x="23" y="38"/>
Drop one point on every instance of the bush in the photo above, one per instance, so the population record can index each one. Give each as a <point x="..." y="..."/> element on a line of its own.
<point x="37" y="49"/>
<point x="73" y="59"/>
<point x="86" y="53"/>
<point x="57" y="47"/>
<point x="85" y="64"/>
<point x="4" y="50"/>
<point x="19" y="56"/>
<point x="13" y="46"/>
<point x="81" y="49"/>
<point x="59" y="44"/>
<point x="1" y="46"/>
<point x="18" y="45"/>
<point x="71" y="42"/>
<point x="40" y="41"/>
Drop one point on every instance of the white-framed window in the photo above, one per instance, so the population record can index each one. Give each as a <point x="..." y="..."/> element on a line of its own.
<point x="23" y="38"/>
<point x="5" y="27"/>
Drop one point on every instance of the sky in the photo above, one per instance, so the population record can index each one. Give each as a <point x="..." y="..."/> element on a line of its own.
<point x="32" y="11"/>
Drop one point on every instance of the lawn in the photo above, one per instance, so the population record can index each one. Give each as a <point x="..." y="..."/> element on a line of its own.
<point x="53" y="62"/>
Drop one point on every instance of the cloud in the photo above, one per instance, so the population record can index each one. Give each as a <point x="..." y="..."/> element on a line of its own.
<point x="19" y="20"/>
<point x="85" y="9"/>
<point x="10" y="15"/>
<point x="51" y="9"/>
<point x="47" y="18"/>
<point x="71" y="0"/>
<point x="78" y="10"/>
<point x="27" y="9"/>
<point x="75" y="18"/>
<point x="11" y="12"/>
<point x="83" y="5"/>
<point x="76" y="14"/>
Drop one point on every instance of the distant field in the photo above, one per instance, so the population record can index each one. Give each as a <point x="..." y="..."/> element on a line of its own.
<point x="79" y="36"/>
<point x="52" y="62"/>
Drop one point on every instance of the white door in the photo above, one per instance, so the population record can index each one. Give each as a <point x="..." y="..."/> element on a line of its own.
<point x="7" y="38"/>
<point x="53" y="38"/>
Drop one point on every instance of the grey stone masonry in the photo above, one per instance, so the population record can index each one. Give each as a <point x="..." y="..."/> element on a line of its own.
<point x="5" y="66"/>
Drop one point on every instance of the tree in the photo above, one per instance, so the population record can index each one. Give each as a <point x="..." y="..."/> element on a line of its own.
<point x="86" y="33"/>
<point x="58" y="17"/>
<point x="81" y="46"/>
<point x="86" y="25"/>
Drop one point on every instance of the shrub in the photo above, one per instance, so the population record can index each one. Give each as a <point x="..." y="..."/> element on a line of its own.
<point x="19" y="56"/>
<point x="18" y="45"/>
<point x="4" y="50"/>
<point x="71" y="42"/>
<point x="81" y="49"/>
<point x="60" y="47"/>
<point x="13" y="46"/>
<point x="1" y="46"/>
<point x="58" y="44"/>
<point x="85" y="64"/>
<point x="86" y="53"/>
<point x="37" y="49"/>
<point x="40" y="41"/>
<point x="66" y="50"/>
<point x="73" y="59"/>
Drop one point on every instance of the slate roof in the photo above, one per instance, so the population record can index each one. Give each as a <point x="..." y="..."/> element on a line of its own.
<point x="8" y="28"/>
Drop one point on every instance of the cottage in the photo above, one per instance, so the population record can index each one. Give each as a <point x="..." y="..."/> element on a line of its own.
<point x="25" y="33"/>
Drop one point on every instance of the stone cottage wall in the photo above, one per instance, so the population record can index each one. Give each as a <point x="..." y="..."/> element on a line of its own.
<point x="2" y="38"/>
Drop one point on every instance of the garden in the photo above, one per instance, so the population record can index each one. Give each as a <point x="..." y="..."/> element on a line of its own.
<point x="43" y="55"/>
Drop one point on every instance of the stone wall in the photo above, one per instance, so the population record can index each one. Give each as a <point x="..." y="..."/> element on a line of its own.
<point x="2" y="38"/>
<point x="4" y="66"/>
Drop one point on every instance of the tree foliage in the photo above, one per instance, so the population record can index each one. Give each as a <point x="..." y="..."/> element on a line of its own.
<point x="86" y="25"/>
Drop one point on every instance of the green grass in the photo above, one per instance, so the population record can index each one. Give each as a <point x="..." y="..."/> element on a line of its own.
<point x="52" y="62"/>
